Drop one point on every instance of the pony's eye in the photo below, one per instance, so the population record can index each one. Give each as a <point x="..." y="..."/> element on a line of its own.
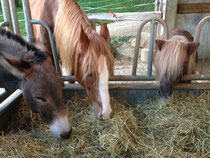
<point x="90" y="75"/>
<point x="41" y="99"/>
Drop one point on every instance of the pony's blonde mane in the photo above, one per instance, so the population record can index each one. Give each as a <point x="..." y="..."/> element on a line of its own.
<point x="171" y="58"/>
<point x="69" y="18"/>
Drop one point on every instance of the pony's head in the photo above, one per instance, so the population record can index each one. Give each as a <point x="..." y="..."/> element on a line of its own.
<point x="92" y="68"/>
<point x="30" y="69"/>
<point x="171" y="62"/>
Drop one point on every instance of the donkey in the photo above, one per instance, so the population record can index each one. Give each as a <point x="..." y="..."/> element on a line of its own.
<point x="174" y="58"/>
<point x="24" y="66"/>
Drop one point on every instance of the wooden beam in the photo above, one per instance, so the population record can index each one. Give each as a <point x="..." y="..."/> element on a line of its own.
<point x="187" y="8"/>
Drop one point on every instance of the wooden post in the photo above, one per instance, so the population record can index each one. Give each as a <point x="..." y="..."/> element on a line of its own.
<point x="170" y="15"/>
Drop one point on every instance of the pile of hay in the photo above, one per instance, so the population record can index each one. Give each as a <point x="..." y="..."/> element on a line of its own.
<point x="179" y="128"/>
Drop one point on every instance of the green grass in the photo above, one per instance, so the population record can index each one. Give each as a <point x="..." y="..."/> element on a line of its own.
<point x="118" y="41"/>
<point x="116" y="5"/>
<point x="98" y="6"/>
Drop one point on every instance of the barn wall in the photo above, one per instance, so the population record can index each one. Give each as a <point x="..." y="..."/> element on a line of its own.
<point x="188" y="22"/>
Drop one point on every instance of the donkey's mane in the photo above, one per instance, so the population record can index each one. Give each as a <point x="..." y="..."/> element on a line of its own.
<point x="14" y="43"/>
<point x="171" y="58"/>
<point x="69" y="18"/>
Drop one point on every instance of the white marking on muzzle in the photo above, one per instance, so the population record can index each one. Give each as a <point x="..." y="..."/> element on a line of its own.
<point x="104" y="90"/>
<point x="60" y="126"/>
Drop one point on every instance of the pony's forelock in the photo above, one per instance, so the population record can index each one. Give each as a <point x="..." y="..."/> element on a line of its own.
<point x="92" y="59"/>
<point x="171" y="58"/>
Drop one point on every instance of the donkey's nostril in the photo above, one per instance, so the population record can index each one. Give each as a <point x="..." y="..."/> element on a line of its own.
<point x="66" y="135"/>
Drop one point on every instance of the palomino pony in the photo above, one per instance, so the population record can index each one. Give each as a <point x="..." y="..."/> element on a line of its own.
<point x="82" y="51"/>
<point x="30" y="69"/>
<point x="175" y="58"/>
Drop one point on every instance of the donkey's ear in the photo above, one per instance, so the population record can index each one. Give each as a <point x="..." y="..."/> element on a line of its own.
<point x="159" y="43"/>
<point x="192" y="47"/>
<point x="104" y="32"/>
<point x="83" y="40"/>
<point x="15" y="66"/>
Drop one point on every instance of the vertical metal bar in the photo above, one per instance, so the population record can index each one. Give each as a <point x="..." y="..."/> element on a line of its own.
<point x="6" y="13"/>
<point x="155" y="33"/>
<point x="27" y="16"/>
<point x="42" y="33"/>
<point x="136" y="52"/>
<point x="151" y="46"/>
<point x="138" y="38"/>
<point x="13" y="11"/>
<point x="205" y="48"/>
<point x="52" y="43"/>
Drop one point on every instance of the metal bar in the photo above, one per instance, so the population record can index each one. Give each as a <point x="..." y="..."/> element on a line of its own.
<point x="200" y="26"/>
<point x="142" y="78"/>
<point x="13" y="11"/>
<point x="151" y="45"/>
<point x="4" y="24"/>
<point x="42" y="32"/>
<point x="136" y="51"/>
<point x="6" y="13"/>
<point x="145" y="86"/>
<point x="27" y="16"/>
<point x="13" y="97"/>
<point x="52" y="43"/>
<point x="205" y="49"/>
<point x="138" y="39"/>
<point x="97" y="21"/>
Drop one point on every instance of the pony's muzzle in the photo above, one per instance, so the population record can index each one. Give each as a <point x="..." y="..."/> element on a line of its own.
<point x="61" y="128"/>
<point x="66" y="135"/>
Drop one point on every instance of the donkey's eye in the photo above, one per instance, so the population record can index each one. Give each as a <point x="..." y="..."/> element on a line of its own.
<point x="90" y="75"/>
<point x="41" y="99"/>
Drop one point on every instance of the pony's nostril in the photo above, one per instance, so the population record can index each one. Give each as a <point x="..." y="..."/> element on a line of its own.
<point x="66" y="135"/>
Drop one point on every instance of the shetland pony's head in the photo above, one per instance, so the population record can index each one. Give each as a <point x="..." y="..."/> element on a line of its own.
<point x="172" y="62"/>
<point x="92" y="68"/>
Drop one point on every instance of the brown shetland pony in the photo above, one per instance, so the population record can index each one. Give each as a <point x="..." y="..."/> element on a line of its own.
<point x="82" y="51"/>
<point x="175" y="58"/>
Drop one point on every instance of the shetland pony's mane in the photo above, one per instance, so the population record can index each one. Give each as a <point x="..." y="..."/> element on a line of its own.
<point x="171" y="58"/>
<point x="69" y="18"/>
<point x="17" y="46"/>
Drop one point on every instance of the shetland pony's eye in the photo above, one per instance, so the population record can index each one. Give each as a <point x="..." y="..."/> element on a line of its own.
<point x="41" y="99"/>
<point x="90" y="75"/>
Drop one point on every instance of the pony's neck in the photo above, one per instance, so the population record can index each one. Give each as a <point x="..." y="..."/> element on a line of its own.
<point x="68" y="22"/>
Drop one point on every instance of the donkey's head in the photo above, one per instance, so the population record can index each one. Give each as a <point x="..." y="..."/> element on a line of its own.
<point x="32" y="71"/>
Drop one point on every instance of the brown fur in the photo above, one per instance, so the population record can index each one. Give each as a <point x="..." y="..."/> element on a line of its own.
<point x="82" y="51"/>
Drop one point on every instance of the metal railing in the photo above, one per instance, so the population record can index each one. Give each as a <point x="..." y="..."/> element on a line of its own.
<point x="197" y="37"/>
